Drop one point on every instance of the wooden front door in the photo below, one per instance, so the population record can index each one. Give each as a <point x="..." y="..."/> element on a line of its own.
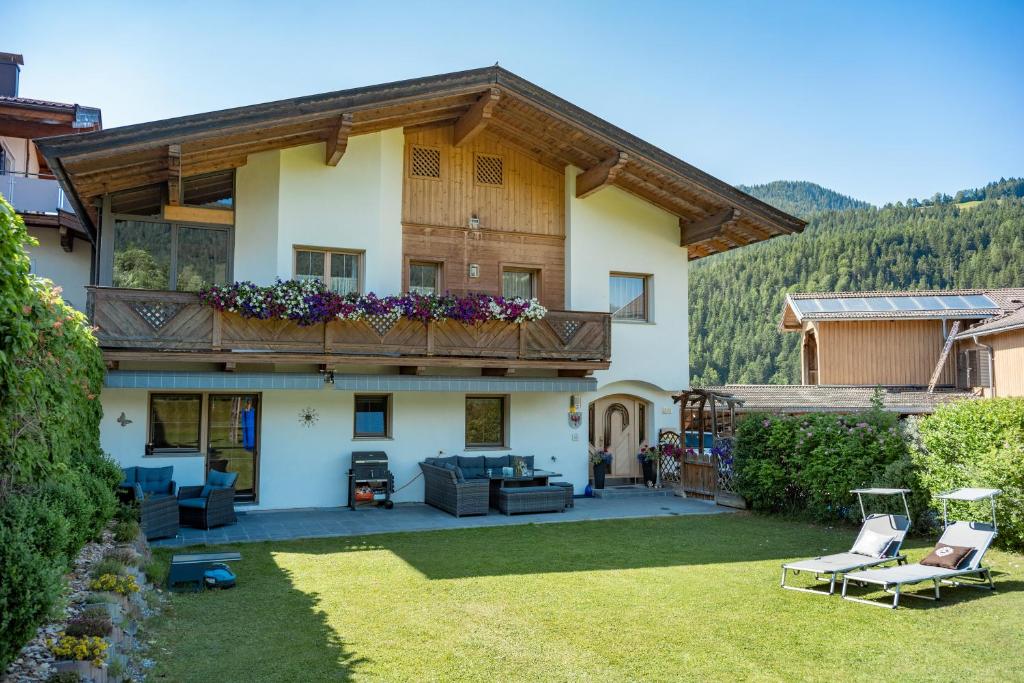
<point x="619" y="425"/>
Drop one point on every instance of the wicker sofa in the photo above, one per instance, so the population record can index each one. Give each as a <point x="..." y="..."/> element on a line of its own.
<point x="447" y="489"/>
<point x="154" y="490"/>
<point x="210" y="505"/>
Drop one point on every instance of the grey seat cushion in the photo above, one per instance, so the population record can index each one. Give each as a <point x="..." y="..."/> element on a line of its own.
<point x="473" y="466"/>
<point x="495" y="462"/>
<point x="154" y="479"/>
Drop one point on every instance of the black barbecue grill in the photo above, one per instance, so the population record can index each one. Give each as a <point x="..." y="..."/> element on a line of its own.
<point x="370" y="482"/>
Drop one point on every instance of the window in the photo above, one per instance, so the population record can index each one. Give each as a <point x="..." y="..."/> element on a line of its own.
<point x="174" y="421"/>
<point x="490" y="170"/>
<point x="339" y="270"/>
<point x="210" y="191"/>
<point x="628" y="297"/>
<point x="372" y="417"/>
<point x="425" y="278"/>
<point x="425" y="162"/>
<point x="485" y="421"/>
<point x="518" y="284"/>
<point x="3" y="160"/>
<point x="149" y="255"/>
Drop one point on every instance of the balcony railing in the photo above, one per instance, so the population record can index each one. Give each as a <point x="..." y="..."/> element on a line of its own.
<point x="29" y="193"/>
<point x="146" y="324"/>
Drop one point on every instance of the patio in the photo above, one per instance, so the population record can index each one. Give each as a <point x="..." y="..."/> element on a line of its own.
<point x="329" y="522"/>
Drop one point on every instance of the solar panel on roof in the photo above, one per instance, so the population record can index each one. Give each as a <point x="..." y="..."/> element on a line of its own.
<point x="979" y="301"/>
<point x="928" y="303"/>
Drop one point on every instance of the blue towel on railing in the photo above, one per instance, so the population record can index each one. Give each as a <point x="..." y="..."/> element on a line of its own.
<point x="249" y="429"/>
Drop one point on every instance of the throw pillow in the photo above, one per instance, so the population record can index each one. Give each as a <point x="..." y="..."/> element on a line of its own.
<point x="871" y="543"/>
<point x="947" y="556"/>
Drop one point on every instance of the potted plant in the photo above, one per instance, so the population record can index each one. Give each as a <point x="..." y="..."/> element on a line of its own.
<point x="84" y="655"/>
<point x="600" y="460"/>
<point x="649" y="457"/>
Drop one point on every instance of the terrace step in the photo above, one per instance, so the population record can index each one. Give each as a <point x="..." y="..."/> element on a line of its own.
<point x="633" y="491"/>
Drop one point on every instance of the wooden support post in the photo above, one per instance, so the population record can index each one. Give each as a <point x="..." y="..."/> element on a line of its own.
<point x="476" y="118"/>
<point x="337" y="141"/>
<point x="602" y="175"/>
<point x="174" y="175"/>
<point x="67" y="240"/>
<point x="230" y="367"/>
<point x="706" y="228"/>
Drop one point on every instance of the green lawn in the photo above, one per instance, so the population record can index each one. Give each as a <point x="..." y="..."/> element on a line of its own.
<point x="658" y="599"/>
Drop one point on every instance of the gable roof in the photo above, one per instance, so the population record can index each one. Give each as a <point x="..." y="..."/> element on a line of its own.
<point x="714" y="216"/>
<point x="823" y="398"/>
<point x="980" y="304"/>
<point x="1006" y="322"/>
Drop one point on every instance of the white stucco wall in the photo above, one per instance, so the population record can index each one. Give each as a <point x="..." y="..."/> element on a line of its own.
<point x="613" y="231"/>
<point x="307" y="466"/>
<point x="69" y="271"/>
<point x="257" y="188"/>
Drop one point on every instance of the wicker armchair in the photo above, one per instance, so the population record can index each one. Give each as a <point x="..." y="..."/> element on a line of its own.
<point x="155" y="492"/>
<point x="444" y="491"/>
<point x="210" y="505"/>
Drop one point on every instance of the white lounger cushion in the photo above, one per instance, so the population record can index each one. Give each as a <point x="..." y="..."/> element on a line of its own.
<point x="871" y="544"/>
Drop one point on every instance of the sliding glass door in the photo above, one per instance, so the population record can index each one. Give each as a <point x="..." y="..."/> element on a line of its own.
<point x="233" y="440"/>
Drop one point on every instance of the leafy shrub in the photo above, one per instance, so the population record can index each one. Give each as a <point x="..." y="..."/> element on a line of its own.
<point x="977" y="443"/>
<point x="92" y="623"/>
<point x="126" y="531"/>
<point x="127" y="512"/>
<point x="156" y="571"/>
<point x="56" y="485"/>
<point x="806" y="465"/>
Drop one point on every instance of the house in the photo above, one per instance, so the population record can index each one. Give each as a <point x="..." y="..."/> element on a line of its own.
<point x="27" y="183"/>
<point x="922" y="349"/>
<point x="470" y="182"/>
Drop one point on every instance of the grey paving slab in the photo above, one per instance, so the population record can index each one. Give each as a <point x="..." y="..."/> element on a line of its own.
<point x="327" y="522"/>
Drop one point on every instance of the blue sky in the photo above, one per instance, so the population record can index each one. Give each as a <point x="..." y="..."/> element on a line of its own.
<point x="882" y="101"/>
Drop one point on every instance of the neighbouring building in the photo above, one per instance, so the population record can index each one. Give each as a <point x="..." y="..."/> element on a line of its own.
<point x="477" y="181"/>
<point x="27" y="183"/>
<point x="922" y="349"/>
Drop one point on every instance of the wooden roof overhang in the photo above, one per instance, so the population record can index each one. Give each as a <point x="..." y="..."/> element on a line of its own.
<point x="713" y="215"/>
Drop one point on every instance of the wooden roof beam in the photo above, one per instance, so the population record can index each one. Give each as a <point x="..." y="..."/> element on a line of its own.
<point x="174" y="175"/>
<point x="337" y="141"/>
<point x="476" y="119"/>
<point x="602" y="175"/>
<point x="692" y="232"/>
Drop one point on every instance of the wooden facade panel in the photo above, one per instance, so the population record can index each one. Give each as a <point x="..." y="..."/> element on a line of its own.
<point x="899" y="352"/>
<point x="1008" y="362"/>
<point x="456" y="248"/>
<point x="531" y="198"/>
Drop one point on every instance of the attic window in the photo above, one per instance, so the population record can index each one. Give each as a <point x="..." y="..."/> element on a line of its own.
<point x="425" y="162"/>
<point x="490" y="170"/>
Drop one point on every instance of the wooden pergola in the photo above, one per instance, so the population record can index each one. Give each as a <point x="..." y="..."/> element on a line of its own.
<point x="713" y="215"/>
<point x="707" y="410"/>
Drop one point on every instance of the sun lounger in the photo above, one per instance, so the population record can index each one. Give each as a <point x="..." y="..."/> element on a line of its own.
<point x="975" y="535"/>
<point x="830" y="567"/>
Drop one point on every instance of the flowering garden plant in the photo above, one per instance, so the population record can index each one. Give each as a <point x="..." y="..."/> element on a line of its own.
<point x="656" y="453"/>
<point x="309" y="302"/>
<point x="79" y="648"/>
<point x="124" y="585"/>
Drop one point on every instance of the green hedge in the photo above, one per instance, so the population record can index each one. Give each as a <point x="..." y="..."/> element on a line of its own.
<point x="56" y="485"/>
<point x="977" y="443"/>
<point x="806" y="465"/>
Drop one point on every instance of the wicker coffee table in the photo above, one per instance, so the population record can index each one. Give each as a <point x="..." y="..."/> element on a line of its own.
<point x="531" y="499"/>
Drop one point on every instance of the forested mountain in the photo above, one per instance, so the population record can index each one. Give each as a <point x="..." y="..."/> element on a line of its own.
<point x="801" y="198"/>
<point x="736" y="297"/>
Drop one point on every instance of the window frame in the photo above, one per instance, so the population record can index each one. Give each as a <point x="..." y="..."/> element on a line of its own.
<point x="382" y="436"/>
<point x="533" y="270"/>
<point x="165" y="452"/>
<point x="505" y="422"/>
<point x="646" y="279"/>
<point x="439" y="287"/>
<point x="106" y="247"/>
<point x="328" y="252"/>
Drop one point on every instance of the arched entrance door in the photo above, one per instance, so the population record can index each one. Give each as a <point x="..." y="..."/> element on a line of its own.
<point x="620" y="421"/>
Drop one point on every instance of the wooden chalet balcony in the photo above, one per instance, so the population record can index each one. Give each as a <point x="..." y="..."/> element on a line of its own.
<point x="148" y="325"/>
